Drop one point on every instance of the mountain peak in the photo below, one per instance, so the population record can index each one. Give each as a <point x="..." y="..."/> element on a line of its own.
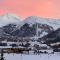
<point x="9" y="19"/>
<point x="10" y="15"/>
<point x="55" y="23"/>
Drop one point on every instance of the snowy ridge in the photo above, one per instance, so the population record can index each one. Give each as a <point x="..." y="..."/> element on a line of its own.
<point x="46" y="25"/>
<point x="55" y="23"/>
<point x="9" y="19"/>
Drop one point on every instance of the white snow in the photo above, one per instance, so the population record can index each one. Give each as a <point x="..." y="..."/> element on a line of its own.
<point x="57" y="43"/>
<point x="55" y="23"/>
<point x="32" y="57"/>
<point x="43" y="34"/>
<point x="9" y="19"/>
<point x="2" y="47"/>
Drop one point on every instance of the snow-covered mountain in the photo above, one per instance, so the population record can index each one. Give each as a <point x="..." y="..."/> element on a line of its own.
<point x="55" y="23"/>
<point x="45" y="25"/>
<point x="14" y="28"/>
<point x="13" y="19"/>
<point x="9" y="19"/>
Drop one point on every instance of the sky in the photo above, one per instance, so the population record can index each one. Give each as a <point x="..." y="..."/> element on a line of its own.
<point x="25" y="8"/>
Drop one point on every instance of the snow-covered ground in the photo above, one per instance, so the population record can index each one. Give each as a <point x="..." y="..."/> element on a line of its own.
<point x="55" y="56"/>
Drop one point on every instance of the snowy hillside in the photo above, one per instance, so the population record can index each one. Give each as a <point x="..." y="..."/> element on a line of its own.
<point x="55" y="23"/>
<point x="45" y="25"/>
<point x="9" y="19"/>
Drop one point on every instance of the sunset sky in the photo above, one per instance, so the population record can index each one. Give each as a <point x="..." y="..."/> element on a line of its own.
<point x="25" y="8"/>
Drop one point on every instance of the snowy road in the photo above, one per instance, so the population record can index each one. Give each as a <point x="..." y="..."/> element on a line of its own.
<point x="32" y="57"/>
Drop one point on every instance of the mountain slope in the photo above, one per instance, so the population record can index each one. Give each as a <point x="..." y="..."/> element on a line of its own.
<point x="55" y="23"/>
<point x="9" y="19"/>
<point x="12" y="24"/>
<point x="24" y="31"/>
